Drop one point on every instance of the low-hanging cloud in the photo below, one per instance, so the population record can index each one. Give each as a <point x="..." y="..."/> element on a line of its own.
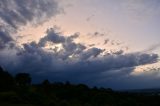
<point x="73" y="62"/>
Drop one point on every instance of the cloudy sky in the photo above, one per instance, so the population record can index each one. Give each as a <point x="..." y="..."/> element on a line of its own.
<point x="107" y="43"/>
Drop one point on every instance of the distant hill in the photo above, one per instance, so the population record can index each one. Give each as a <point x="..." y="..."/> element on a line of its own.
<point x="147" y="91"/>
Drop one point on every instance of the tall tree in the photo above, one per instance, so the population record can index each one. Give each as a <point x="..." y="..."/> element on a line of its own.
<point x="6" y="80"/>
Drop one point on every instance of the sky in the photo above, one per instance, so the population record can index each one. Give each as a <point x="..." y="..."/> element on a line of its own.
<point x="105" y="43"/>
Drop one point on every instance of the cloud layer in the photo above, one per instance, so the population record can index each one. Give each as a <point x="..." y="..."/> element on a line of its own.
<point x="71" y="61"/>
<point x="59" y="57"/>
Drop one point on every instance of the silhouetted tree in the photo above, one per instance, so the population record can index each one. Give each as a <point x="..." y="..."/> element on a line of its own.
<point x="67" y="83"/>
<point x="46" y="86"/>
<point x="46" y="82"/>
<point x="1" y="69"/>
<point x="6" y="80"/>
<point x="23" y="79"/>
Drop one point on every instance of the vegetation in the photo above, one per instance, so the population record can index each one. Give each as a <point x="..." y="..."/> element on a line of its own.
<point x="18" y="91"/>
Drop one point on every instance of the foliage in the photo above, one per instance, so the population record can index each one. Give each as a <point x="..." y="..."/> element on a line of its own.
<point x="6" y="81"/>
<point x="65" y="94"/>
<point x="23" y="79"/>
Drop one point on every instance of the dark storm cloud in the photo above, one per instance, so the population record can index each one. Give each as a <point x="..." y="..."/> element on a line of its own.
<point x="51" y="36"/>
<point x="73" y="62"/>
<point x="93" y="52"/>
<point x="4" y="38"/>
<point x="70" y="48"/>
<point x="15" y="13"/>
<point x="20" y="12"/>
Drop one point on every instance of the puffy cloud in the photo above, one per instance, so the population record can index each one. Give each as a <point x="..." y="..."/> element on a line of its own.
<point x="68" y="44"/>
<point x="93" y="52"/>
<point x="118" y="52"/>
<point x="74" y="61"/>
<point x="51" y="36"/>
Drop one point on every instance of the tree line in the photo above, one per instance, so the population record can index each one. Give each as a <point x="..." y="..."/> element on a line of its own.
<point x="18" y="90"/>
<point x="8" y="82"/>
